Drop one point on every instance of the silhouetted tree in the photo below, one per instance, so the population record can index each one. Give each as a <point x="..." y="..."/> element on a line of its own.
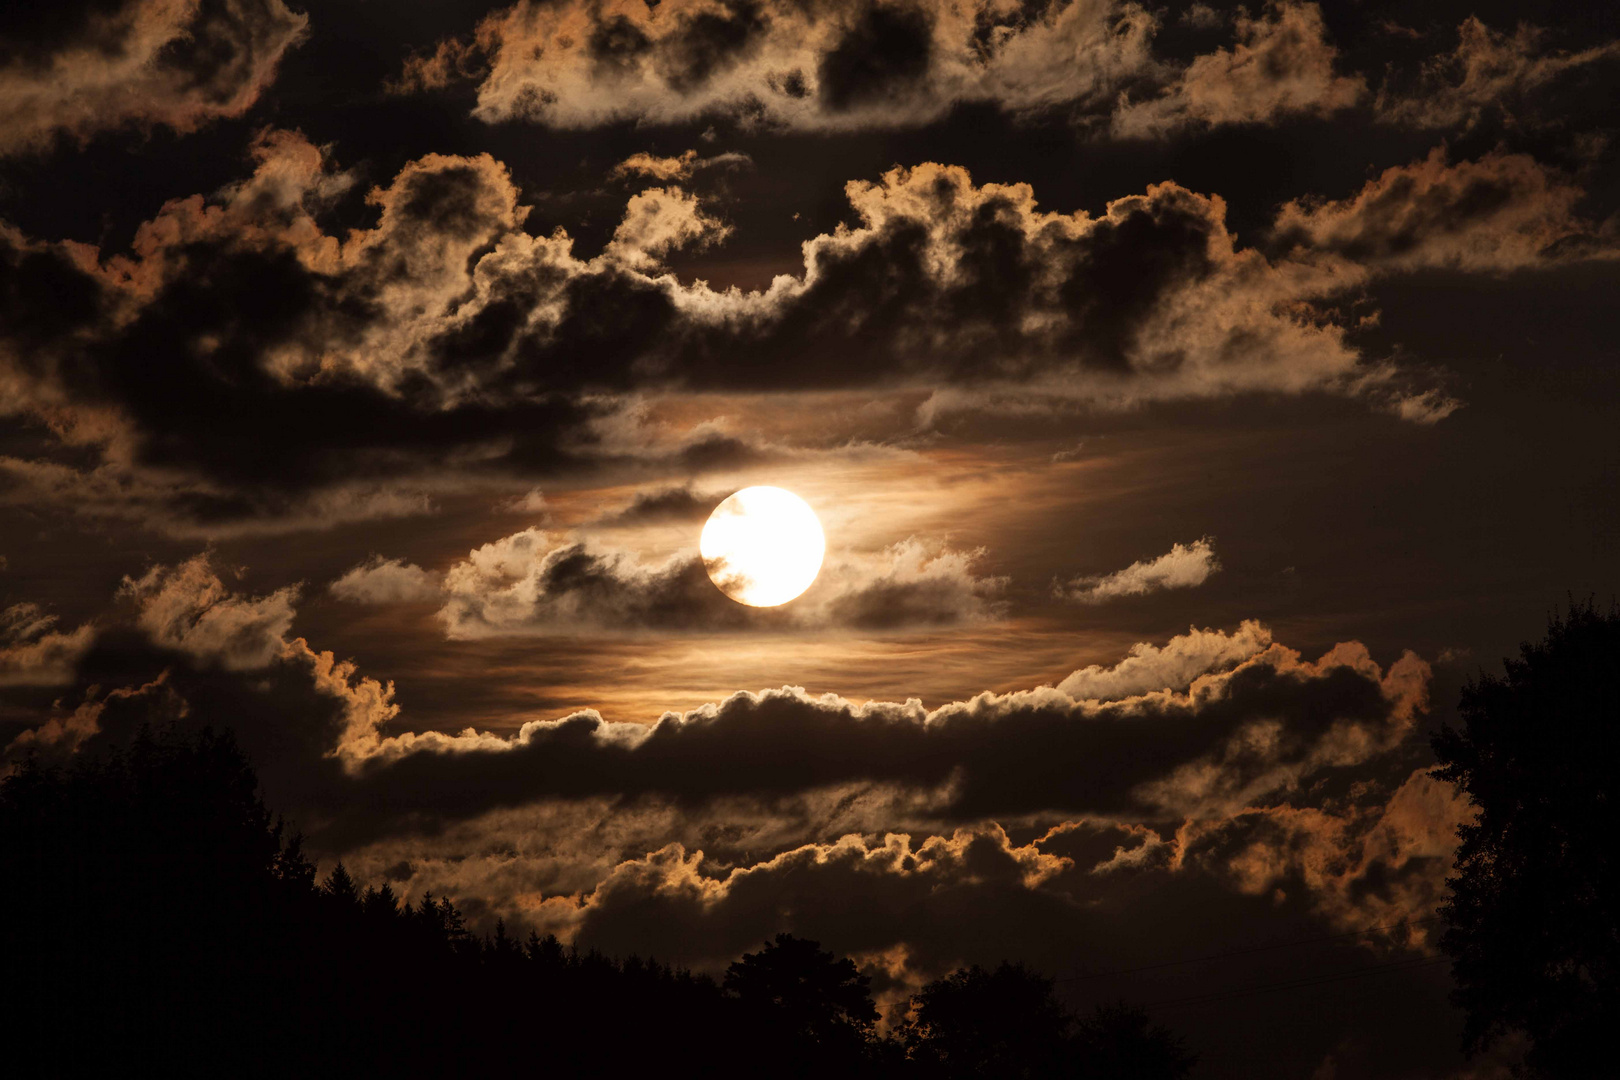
<point x="1008" y="1024"/>
<point x="1534" y="909"/>
<point x="340" y="886"/>
<point x="805" y="1001"/>
<point x="978" y="1023"/>
<point x="1119" y="1042"/>
<point x="147" y="894"/>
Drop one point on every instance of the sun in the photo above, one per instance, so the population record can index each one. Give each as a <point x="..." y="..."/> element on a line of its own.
<point x="763" y="546"/>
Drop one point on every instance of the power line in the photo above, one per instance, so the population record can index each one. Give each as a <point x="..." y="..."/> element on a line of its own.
<point x="1245" y="952"/>
<point x="1411" y="964"/>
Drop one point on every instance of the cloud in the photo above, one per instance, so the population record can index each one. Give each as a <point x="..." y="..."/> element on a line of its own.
<point x="909" y="584"/>
<point x="785" y="65"/>
<point x="187" y="649"/>
<point x="189" y="609"/>
<point x="1282" y="65"/>
<point x="537" y="583"/>
<point x="1248" y="726"/>
<point x="658" y="168"/>
<point x="987" y="896"/>
<point x="93" y="67"/>
<point x="444" y="345"/>
<point x="33" y="652"/>
<point x="1374" y="861"/>
<point x="532" y="501"/>
<point x="1260" y="728"/>
<point x="879" y="878"/>
<point x="680" y="167"/>
<point x="660" y="220"/>
<point x="62" y="735"/>
<point x="1172" y="666"/>
<point x="1489" y="73"/>
<point x="1184" y="566"/>
<point x="1079" y="882"/>
<point x="1502" y="212"/>
<point x="251" y="327"/>
<point x="943" y="282"/>
<point x="911" y="900"/>
<point x="665" y="505"/>
<point x="788" y="65"/>
<point x="386" y="581"/>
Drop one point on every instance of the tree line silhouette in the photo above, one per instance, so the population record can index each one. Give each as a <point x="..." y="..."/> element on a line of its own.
<point x="154" y="917"/>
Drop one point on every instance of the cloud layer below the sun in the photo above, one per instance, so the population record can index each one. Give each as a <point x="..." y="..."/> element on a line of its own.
<point x="1230" y="717"/>
<point x="1191" y="759"/>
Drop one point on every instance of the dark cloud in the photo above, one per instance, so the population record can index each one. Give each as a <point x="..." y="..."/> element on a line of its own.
<point x="78" y="68"/>
<point x="246" y="348"/>
<point x="1490" y="75"/>
<point x="244" y="363"/>
<point x="33" y="652"/>
<point x="945" y="282"/>
<point x="617" y="46"/>
<point x="202" y="356"/>
<point x="1378" y="858"/>
<point x="776" y="64"/>
<point x="1111" y="69"/>
<point x="1281" y="65"/>
<point x="705" y="43"/>
<point x="529" y="583"/>
<point x="884" y="55"/>
<point x="1256" y="727"/>
<point x="671" y="505"/>
<point x="1377" y="862"/>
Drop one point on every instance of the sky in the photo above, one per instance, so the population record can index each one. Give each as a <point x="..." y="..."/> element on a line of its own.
<point x="1193" y="399"/>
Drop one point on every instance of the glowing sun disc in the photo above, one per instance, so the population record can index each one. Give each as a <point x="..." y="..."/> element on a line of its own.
<point x="763" y="546"/>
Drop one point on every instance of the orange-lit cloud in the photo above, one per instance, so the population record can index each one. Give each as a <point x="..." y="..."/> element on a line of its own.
<point x="143" y="63"/>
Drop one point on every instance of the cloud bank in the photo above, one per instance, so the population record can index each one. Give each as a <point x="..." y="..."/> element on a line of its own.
<point x="808" y="66"/>
<point x="445" y="342"/>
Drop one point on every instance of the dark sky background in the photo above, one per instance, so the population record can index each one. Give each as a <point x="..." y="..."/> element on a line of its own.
<point x="1193" y="398"/>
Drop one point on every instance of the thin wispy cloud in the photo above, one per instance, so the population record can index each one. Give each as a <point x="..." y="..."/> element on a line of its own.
<point x="1184" y="566"/>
